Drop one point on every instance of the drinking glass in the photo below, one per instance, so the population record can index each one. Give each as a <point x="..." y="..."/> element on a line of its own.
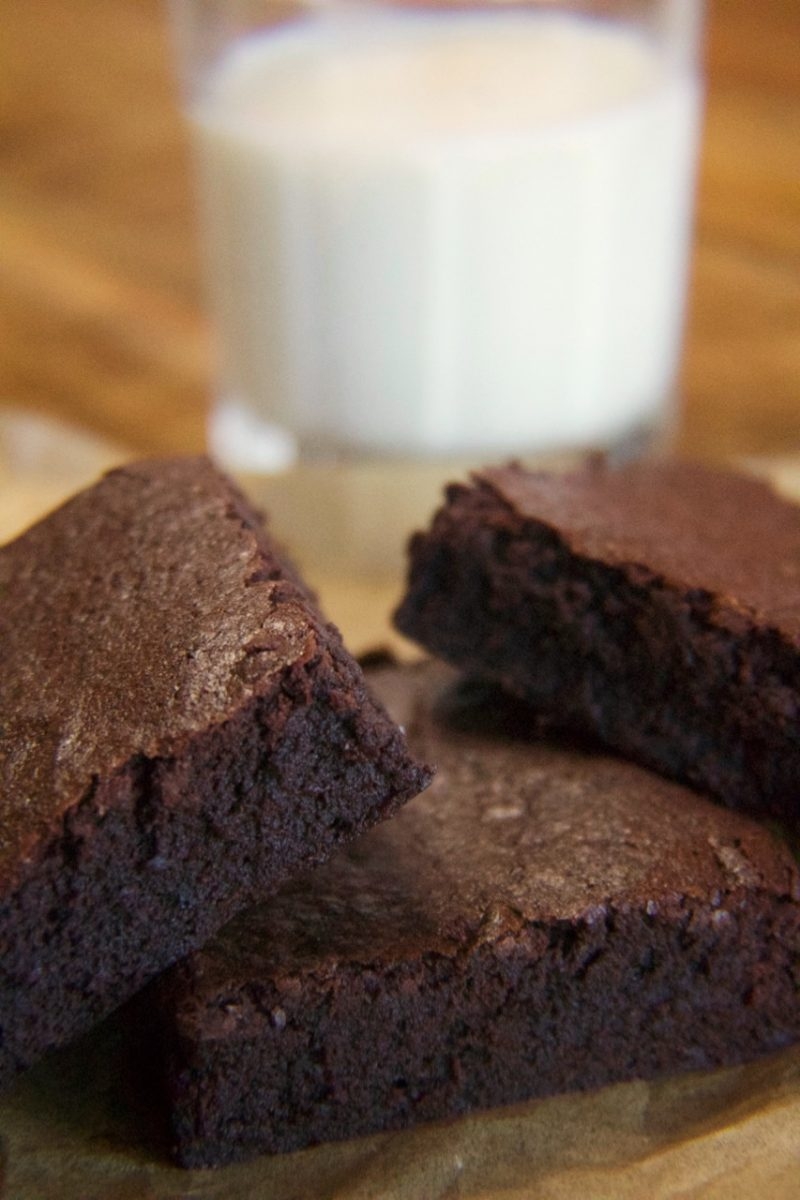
<point x="438" y="235"/>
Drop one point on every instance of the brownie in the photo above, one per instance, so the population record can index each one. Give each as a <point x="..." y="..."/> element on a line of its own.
<point x="180" y="732"/>
<point x="541" y="919"/>
<point x="655" y="607"/>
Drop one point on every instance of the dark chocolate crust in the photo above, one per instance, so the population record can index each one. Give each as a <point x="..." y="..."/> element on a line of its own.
<point x="541" y="919"/>
<point x="179" y="733"/>
<point x="656" y="607"/>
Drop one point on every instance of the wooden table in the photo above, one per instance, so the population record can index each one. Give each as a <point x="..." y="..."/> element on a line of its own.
<point x="100" y="309"/>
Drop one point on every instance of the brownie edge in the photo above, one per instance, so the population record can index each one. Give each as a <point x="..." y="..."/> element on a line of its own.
<point x="655" y="607"/>
<point x="180" y="732"/>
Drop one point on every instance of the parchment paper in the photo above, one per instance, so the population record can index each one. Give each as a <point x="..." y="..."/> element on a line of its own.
<point x="75" y="1128"/>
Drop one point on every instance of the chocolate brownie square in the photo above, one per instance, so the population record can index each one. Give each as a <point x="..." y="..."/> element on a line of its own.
<point x="180" y="732"/>
<point x="541" y="919"/>
<point x="655" y="607"/>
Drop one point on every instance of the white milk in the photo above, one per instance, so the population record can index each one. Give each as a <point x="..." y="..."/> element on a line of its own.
<point x="444" y="236"/>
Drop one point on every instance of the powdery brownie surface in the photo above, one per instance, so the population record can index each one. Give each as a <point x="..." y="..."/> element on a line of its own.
<point x="541" y="919"/>
<point x="656" y="607"/>
<point x="179" y="733"/>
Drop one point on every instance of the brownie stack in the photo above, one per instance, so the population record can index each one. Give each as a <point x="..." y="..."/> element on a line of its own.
<point x="182" y="738"/>
<point x="545" y="917"/>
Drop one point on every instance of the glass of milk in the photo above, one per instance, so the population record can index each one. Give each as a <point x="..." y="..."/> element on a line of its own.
<point x="440" y="234"/>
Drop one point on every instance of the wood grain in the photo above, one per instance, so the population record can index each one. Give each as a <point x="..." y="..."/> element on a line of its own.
<point x="101" y="316"/>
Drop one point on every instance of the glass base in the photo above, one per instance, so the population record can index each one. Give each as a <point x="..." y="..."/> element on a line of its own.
<point x="350" y="518"/>
<point x="242" y="441"/>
